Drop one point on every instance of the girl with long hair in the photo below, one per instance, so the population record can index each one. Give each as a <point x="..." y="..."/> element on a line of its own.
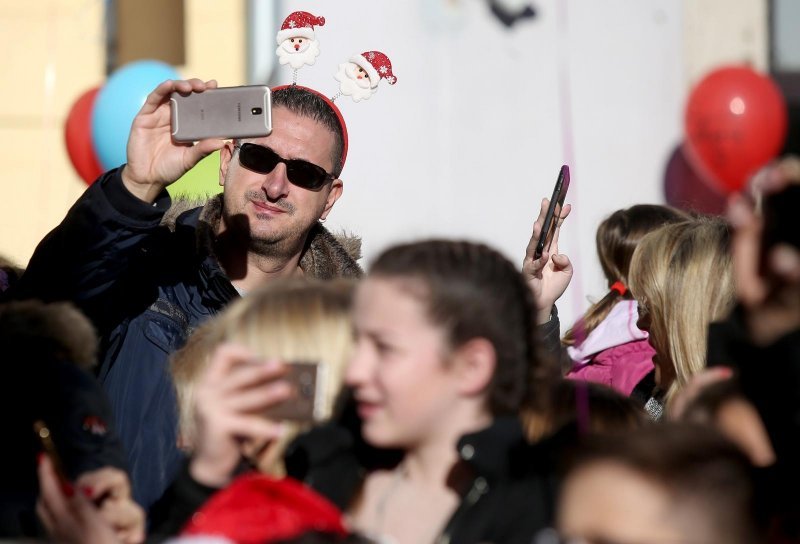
<point x="682" y="278"/>
<point x="445" y="357"/>
<point x="605" y="346"/>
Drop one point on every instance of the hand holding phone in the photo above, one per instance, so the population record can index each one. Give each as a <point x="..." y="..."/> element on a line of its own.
<point x="155" y="160"/>
<point x="68" y="517"/>
<point x="548" y="278"/>
<point x="766" y="253"/>
<point x="230" y="400"/>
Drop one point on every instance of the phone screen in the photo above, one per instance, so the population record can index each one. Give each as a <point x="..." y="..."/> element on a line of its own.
<point x="553" y="211"/>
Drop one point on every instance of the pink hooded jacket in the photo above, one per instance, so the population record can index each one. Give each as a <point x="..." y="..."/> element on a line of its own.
<point x="616" y="353"/>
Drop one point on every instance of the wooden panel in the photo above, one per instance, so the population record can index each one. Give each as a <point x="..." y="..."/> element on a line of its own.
<point x="150" y="29"/>
<point x="52" y="52"/>
<point x="215" y="44"/>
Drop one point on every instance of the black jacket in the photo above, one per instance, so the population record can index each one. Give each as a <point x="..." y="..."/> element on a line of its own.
<point x="769" y="377"/>
<point x="146" y="285"/>
<point x="75" y="409"/>
<point x="511" y="496"/>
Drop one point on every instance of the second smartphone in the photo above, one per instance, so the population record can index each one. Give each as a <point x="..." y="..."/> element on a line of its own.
<point x="553" y="211"/>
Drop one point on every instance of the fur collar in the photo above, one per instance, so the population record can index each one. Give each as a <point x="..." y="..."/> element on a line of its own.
<point x="326" y="256"/>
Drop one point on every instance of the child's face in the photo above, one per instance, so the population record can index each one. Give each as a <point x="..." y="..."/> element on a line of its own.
<point x="607" y="502"/>
<point x="399" y="374"/>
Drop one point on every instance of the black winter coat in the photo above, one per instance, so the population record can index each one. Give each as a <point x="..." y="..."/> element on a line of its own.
<point x="769" y="377"/>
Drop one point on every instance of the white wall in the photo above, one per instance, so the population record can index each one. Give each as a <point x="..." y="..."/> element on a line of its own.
<point x="721" y="32"/>
<point x="473" y="134"/>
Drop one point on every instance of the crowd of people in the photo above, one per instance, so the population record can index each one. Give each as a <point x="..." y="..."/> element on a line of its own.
<point x="229" y="373"/>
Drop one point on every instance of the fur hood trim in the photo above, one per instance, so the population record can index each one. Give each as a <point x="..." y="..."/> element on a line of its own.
<point x="326" y="256"/>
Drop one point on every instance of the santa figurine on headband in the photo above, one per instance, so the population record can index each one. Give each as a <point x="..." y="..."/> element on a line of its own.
<point x="296" y="44"/>
<point x="359" y="77"/>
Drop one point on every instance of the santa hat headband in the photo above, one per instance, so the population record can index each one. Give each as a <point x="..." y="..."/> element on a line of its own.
<point x="377" y="65"/>
<point x="299" y="24"/>
<point x="335" y="110"/>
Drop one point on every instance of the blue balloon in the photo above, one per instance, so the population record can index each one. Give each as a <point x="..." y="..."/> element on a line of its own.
<point x="117" y="104"/>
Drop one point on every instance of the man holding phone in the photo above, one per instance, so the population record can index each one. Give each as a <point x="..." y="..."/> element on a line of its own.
<point x="147" y="281"/>
<point x="146" y="284"/>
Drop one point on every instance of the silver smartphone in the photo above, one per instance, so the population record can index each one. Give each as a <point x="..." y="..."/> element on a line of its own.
<point x="308" y="403"/>
<point x="226" y="112"/>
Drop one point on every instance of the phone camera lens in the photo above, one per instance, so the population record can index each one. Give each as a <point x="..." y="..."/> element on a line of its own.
<point x="256" y="111"/>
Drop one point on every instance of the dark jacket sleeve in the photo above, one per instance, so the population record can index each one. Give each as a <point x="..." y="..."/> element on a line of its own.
<point x="82" y="258"/>
<point x="550" y="341"/>
<point x="170" y="514"/>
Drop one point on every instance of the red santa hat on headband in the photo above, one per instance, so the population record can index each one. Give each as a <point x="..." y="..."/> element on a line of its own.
<point x="299" y="24"/>
<point x="377" y="65"/>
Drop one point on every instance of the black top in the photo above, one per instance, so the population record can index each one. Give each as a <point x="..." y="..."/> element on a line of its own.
<point x="510" y="498"/>
<point x="769" y="377"/>
<point x="73" y="406"/>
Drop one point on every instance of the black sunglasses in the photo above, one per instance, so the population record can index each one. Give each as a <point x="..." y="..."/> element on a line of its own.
<point x="264" y="160"/>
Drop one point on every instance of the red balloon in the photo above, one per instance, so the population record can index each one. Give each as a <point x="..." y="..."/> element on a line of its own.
<point x="78" y="137"/>
<point x="735" y="123"/>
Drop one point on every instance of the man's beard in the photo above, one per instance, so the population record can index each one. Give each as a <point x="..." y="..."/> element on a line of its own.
<point x="359" y="89"/>
<point x="283" y="243"/>
<point x="297" y="59"/>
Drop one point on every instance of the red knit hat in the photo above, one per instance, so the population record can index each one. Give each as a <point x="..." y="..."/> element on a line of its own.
<point x="299" y="24"/>
<point x="377" y="65"/>
<point x="258" y="509"/>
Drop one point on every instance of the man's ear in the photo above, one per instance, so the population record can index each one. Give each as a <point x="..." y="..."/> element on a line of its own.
<point x="225" y="156"/>
<point x="337" y="188"/>
<point x="475" y="362"/>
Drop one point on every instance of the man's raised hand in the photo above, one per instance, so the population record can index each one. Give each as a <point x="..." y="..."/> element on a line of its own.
<point x="154" y="159"/>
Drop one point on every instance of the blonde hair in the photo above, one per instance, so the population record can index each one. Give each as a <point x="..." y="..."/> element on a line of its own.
<point x="290" y="320"/>
<point x="682" y="276"/>
<point x="186" y="366"/>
